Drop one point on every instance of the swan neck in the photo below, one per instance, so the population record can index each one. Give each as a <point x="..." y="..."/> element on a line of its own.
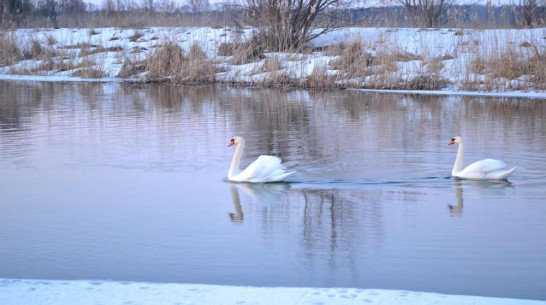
<point x="459" y="160"/>
<point x="234" y="168"/>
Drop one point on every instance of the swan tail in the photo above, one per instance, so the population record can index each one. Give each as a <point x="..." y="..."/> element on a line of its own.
<point x="501" y="174"/>
<point x="279" y="176"/>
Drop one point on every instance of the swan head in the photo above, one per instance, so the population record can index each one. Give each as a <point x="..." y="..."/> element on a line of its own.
<point x="235" y="140"/>
<point x="456" y="140"/>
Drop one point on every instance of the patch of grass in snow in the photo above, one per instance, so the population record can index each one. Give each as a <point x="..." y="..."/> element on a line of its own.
<point x="271" y="64"/>
<point x="505" y="67"/>
<point x="246" y="52"/>
<point x="321" y="79"/>
<point x="9" y="49"/>
<point x="168" y="63"/>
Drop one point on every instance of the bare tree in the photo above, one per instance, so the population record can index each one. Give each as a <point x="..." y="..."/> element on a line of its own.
<point x="289" y="24"/>
<point x="71" y="6"/>
<point x="165" y="6"/>
<point x="148" y="6"/>
<point x="428" y="13"/>
<point x="49" y="9"/>
<point x="198" y="6"/>
<point x="13" y="10"/>
<point x="533" y="13"/>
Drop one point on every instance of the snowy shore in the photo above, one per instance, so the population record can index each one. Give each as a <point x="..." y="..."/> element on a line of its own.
<point x="417" y="55"/>
<point x="51" y="292"/>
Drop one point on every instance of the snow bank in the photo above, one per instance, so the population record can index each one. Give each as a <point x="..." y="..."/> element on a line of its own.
<point x="45" y="292"/>
<point x="108" y="49"/>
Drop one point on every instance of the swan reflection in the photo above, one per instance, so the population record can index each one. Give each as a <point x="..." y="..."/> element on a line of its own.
<point x="238" y="216"/>
<point x="260" y="193"/>
<point x="457" y="210"/>
<point x="484" y="186"/>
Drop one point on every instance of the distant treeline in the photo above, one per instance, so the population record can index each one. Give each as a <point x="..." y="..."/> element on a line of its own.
<point x="78" y="14"/>
<point x="463" y="16"/>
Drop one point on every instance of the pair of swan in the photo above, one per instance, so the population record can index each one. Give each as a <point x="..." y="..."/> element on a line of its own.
<point x="269" y="168"/>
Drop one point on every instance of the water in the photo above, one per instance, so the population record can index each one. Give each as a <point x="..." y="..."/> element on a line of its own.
<point x="127" y="182"/>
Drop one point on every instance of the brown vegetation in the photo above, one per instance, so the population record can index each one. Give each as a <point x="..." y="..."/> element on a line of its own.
<point x="378" y="65"/>
<point x="168" y="63"/>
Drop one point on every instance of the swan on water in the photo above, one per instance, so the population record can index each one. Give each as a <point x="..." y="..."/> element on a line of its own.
<point x="264" y="169"/>
<point x="483" y="169"/>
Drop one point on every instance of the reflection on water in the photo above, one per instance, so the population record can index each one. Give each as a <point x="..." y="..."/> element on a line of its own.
<point x="482" y="187"/>
<point x="111" y="181"/>
<point x="238" y="216"/>
<point x="260" y="194"/>
<point x="457" y="210"/>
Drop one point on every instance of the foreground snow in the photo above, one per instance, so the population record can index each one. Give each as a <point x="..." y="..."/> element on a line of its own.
<point x="45" y="292"/>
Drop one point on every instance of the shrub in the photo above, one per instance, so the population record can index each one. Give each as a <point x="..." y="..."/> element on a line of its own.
<point x="169" y="64"/>
<point x="246" y="52"/>
<point x="9" y="51"/>
<point x="354" y="60"/>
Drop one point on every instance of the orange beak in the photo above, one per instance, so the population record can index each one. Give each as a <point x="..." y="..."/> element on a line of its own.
<point x="231" y="143"/>
<point x="451" y="142"/>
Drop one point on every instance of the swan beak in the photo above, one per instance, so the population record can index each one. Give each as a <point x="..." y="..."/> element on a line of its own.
<point x="451" y="142"/>
<point x="231" y="143"/>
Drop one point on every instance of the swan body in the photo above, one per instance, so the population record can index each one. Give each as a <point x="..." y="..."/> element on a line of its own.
<point x="483" y="169"/>
<point x="264" y="169"/>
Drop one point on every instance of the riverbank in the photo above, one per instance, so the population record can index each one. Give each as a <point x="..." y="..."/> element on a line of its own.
<point x="449" y="61"/>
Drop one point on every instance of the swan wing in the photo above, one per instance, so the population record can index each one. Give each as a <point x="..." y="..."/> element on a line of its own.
<point x="263" y="169"/>
<point x="485" y="166"/>
<point x="500" y="174"/>
<point x="486" y="169"/>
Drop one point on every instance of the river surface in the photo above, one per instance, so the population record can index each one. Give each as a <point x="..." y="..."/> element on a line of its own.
<point x="128" y="182"/>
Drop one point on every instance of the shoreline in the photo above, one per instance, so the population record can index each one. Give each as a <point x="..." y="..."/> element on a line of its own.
<point x="68" y="79"/>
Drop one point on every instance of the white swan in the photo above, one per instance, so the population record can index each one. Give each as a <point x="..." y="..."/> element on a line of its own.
<point x="484" y="169"/>
<point x="264" y="169"/>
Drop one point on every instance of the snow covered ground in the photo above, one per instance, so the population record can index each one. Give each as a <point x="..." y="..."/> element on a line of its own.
<point x="48" y="292"/>
<point x="107" y="49"/>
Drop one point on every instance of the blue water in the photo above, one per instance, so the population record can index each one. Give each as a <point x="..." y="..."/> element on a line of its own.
<point x="121" y="182"/>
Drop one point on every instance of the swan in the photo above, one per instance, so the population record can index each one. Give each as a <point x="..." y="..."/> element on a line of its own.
<point x="264" y="169"/>
<point x="483" y="169"/>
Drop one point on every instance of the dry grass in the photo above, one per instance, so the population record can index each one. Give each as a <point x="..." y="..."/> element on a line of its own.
<point x="493" y="63"/>
<point x="359" y="68"/>
<point x="425" y="82"/>
<point x="507" y="67"/>
<point x="165" y="61"/>
<point x="9" y="50"/>
<point x="246" y="52"/>
<point x="320" y="79"/>
<point x="271" y="64"/>
<point x="354" y="60"/>
<point x="225" y="49"/>
<point x="57" y="64"/>
<point x="196" y="53"/>
<point x="283" y="80"/>
<point x="136" y="36"/>
<point x="131" y="68"/>
<point x="168" y="63"/>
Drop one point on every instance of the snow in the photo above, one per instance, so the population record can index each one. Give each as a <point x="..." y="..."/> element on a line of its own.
<point x="56" y="292"/>
<point x="109" y="48"/>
